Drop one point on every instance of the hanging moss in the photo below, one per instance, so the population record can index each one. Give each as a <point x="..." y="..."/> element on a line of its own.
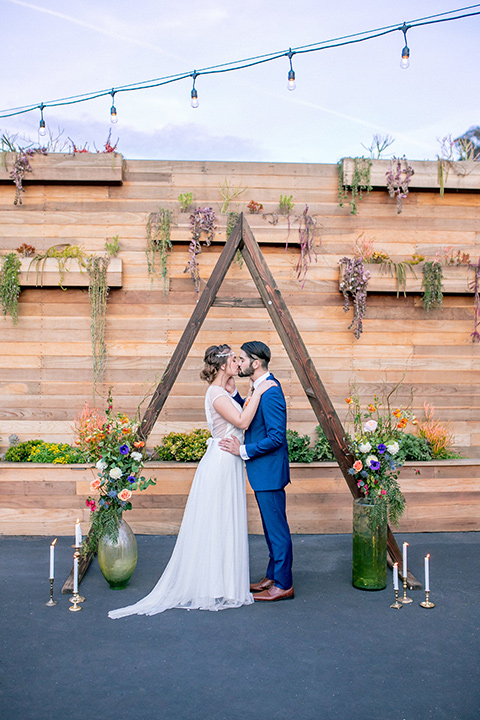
<point x="432" y="285"/>
<point x="158" y="244"/>
<point x="98" y="295"/>
<point x="10" y="285"/>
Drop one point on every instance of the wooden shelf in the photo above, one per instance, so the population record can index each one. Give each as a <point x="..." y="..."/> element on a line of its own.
<point x="47" y="273"/>
<point x="103" y="168"/>
<point x="456" y="279"/>
<point x="461" y="175"/>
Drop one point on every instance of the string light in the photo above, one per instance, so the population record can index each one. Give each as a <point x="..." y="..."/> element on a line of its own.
<point x="194" y="95"/>
<point x="42" y="130"/>
<point x="250" y="62"/>
<point x="405" y="61"/>
<point x="113" y="109"/>
<point x="291" y="73"/>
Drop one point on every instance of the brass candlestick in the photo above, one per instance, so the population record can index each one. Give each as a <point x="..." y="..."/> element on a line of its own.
<point x="51" y="602"/>
<point x="76" y="598"/>
<point x="75" y="607"/>
<point x="396" y="605"/>
<point x="426" y="603"/>
<point x="405" y="600"/>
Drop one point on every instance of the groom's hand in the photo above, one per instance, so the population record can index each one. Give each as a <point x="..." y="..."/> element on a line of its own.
<point x="231" y="445"/>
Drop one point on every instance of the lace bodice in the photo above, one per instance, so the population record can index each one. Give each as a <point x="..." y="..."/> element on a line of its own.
<point x="218" y="426"/>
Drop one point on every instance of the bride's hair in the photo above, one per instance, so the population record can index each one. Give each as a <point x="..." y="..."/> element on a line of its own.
<point x="215" y="356"/>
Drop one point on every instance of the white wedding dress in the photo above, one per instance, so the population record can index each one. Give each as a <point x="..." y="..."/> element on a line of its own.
<point x="209" y="566"/>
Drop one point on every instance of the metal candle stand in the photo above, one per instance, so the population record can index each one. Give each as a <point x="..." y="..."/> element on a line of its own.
<point x="405" y="600"/>
<point x="51" y="602"/>
<point x="76" y="599"/>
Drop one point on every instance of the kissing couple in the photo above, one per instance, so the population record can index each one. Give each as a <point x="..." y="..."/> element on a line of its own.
<point x="209" y="566"/>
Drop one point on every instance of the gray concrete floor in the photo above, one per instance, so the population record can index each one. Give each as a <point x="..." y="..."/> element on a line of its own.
<point x="333" y="652"/>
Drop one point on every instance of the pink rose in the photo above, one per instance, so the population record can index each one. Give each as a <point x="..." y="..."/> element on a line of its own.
<point x="370" y="426"/>
<point x="94" y="485"/>
<point x="125" y="494"/>
<point x="357" y="465"/>
<point x="383" y="492"/>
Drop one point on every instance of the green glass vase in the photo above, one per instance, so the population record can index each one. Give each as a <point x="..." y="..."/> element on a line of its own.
<point x="369" y="570"/>
<point x="118" y="558"/>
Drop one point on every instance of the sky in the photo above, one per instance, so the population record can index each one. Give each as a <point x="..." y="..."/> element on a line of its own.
<point x="344" y="96"/>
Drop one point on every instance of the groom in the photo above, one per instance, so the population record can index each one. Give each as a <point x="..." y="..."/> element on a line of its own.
<point x="266" y="455"/>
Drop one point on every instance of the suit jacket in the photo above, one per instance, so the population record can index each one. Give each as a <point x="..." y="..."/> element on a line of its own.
<point x="266" y="442"/>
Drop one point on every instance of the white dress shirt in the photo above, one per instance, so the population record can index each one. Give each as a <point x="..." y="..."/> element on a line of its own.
<point x="243" y="453"/>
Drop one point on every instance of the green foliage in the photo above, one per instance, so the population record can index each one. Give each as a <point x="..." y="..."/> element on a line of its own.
<point x="398" y="270"/>
<point x="158" y="244"/>
<point x="432" y="285"/>
<point x="183" y="447"/>
<point x="299" y="449"/>
<point x="360" y="182"/>
<point x="286" y="204"/>
<point x="38" y="451"/>
<point x="322" y="449"/>
<point x="229" y="193"/>
<point x="10" y="285"/>
<point x="21" y="451"/>
<point x="414" y="448"/>
<point x="113" y="247"/>
<point x="186" y="201"/>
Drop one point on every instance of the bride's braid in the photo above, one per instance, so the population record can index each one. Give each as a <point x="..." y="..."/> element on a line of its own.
<point x="215" y="356"/>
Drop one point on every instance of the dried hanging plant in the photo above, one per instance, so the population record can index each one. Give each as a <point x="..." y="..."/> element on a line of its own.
<point x="21" y="166"/>
<point x="158" y="244"/>
<point x="475" y="286"/>
<point x="354" y="285"/>
<point x="202" y="222"/>
<point x="308" y="232"/>
<point x="98" y="295"/>
<point x="398" y="180"/>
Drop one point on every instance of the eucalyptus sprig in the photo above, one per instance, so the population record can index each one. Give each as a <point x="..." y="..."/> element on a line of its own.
<point x="10" y="285"/>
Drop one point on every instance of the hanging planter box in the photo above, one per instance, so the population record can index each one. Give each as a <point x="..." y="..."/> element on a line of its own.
<point x="47" y="273"/>
<point x="461" y="175"/>
<point x="102" y="168"/>
<point x="456" y="279"/>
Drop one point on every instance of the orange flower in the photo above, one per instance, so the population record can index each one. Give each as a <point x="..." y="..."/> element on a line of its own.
<point x="125" y="494"/>
<point x="397" y="413"/>
<point x="348" y="400"/>
<point x="94" y="485"/>
<point x="139" y="444"/>
<point x="372" y="408"/>
<point x="125" y="431"/>
<point x="402" y="423"/>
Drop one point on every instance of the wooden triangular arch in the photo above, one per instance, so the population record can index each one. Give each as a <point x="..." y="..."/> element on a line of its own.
<point x="241" y="238"/>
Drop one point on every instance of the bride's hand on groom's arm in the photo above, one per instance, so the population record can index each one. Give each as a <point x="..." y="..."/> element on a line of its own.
<point x="231" y="445"/>
<point x="265" y="385"/>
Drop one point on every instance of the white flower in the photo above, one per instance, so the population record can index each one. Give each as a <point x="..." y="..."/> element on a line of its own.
<point x="365" y="447"/>
<point x="370" y="426"/>
<point x="393" y="448"/>
<point x="136" y="456"/>
<point x="101" y="465"/>
<point x="371" y="458"/>
<point x="115" y="473"/>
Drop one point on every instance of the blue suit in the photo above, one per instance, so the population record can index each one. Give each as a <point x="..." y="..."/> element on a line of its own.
<point x="268" y="473"/>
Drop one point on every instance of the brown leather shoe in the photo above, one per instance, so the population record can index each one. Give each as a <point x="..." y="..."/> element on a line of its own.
<point x="262" y="585"/>
<point x="273" y="594"/>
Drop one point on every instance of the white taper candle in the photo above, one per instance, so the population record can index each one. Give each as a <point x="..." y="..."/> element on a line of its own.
<point x="395" y="576"/>
<point x="404" y="568"/>
<point x="427" y="573"/>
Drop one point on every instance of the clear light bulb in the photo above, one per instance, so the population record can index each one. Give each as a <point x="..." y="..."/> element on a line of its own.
<point x="405" y="61"/>
<point x="291" y="80"/>
<point x="113" y="115"/>
<point x="42" y="130"/>
<point x="194" y="101"/>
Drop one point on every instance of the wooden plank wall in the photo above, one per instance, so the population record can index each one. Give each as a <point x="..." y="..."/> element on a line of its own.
<point x="47" y="499"/>
<point x="45" y="361"/>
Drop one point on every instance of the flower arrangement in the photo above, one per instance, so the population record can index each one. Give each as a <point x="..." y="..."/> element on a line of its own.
<point x="122" y="455"/>
<point x="375" y="445"/>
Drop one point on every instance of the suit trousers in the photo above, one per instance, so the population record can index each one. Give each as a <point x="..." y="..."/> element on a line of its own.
<point x="272" y="506"/>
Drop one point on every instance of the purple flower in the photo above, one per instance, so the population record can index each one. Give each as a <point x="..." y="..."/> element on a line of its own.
<point x="124" y="449"/>
<point x="132" y="478"/>
<point x="381" y="448"/>
<point x="375" y="465"/>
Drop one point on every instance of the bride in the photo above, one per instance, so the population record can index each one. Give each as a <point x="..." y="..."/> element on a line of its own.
<point x="209" y="568"/>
